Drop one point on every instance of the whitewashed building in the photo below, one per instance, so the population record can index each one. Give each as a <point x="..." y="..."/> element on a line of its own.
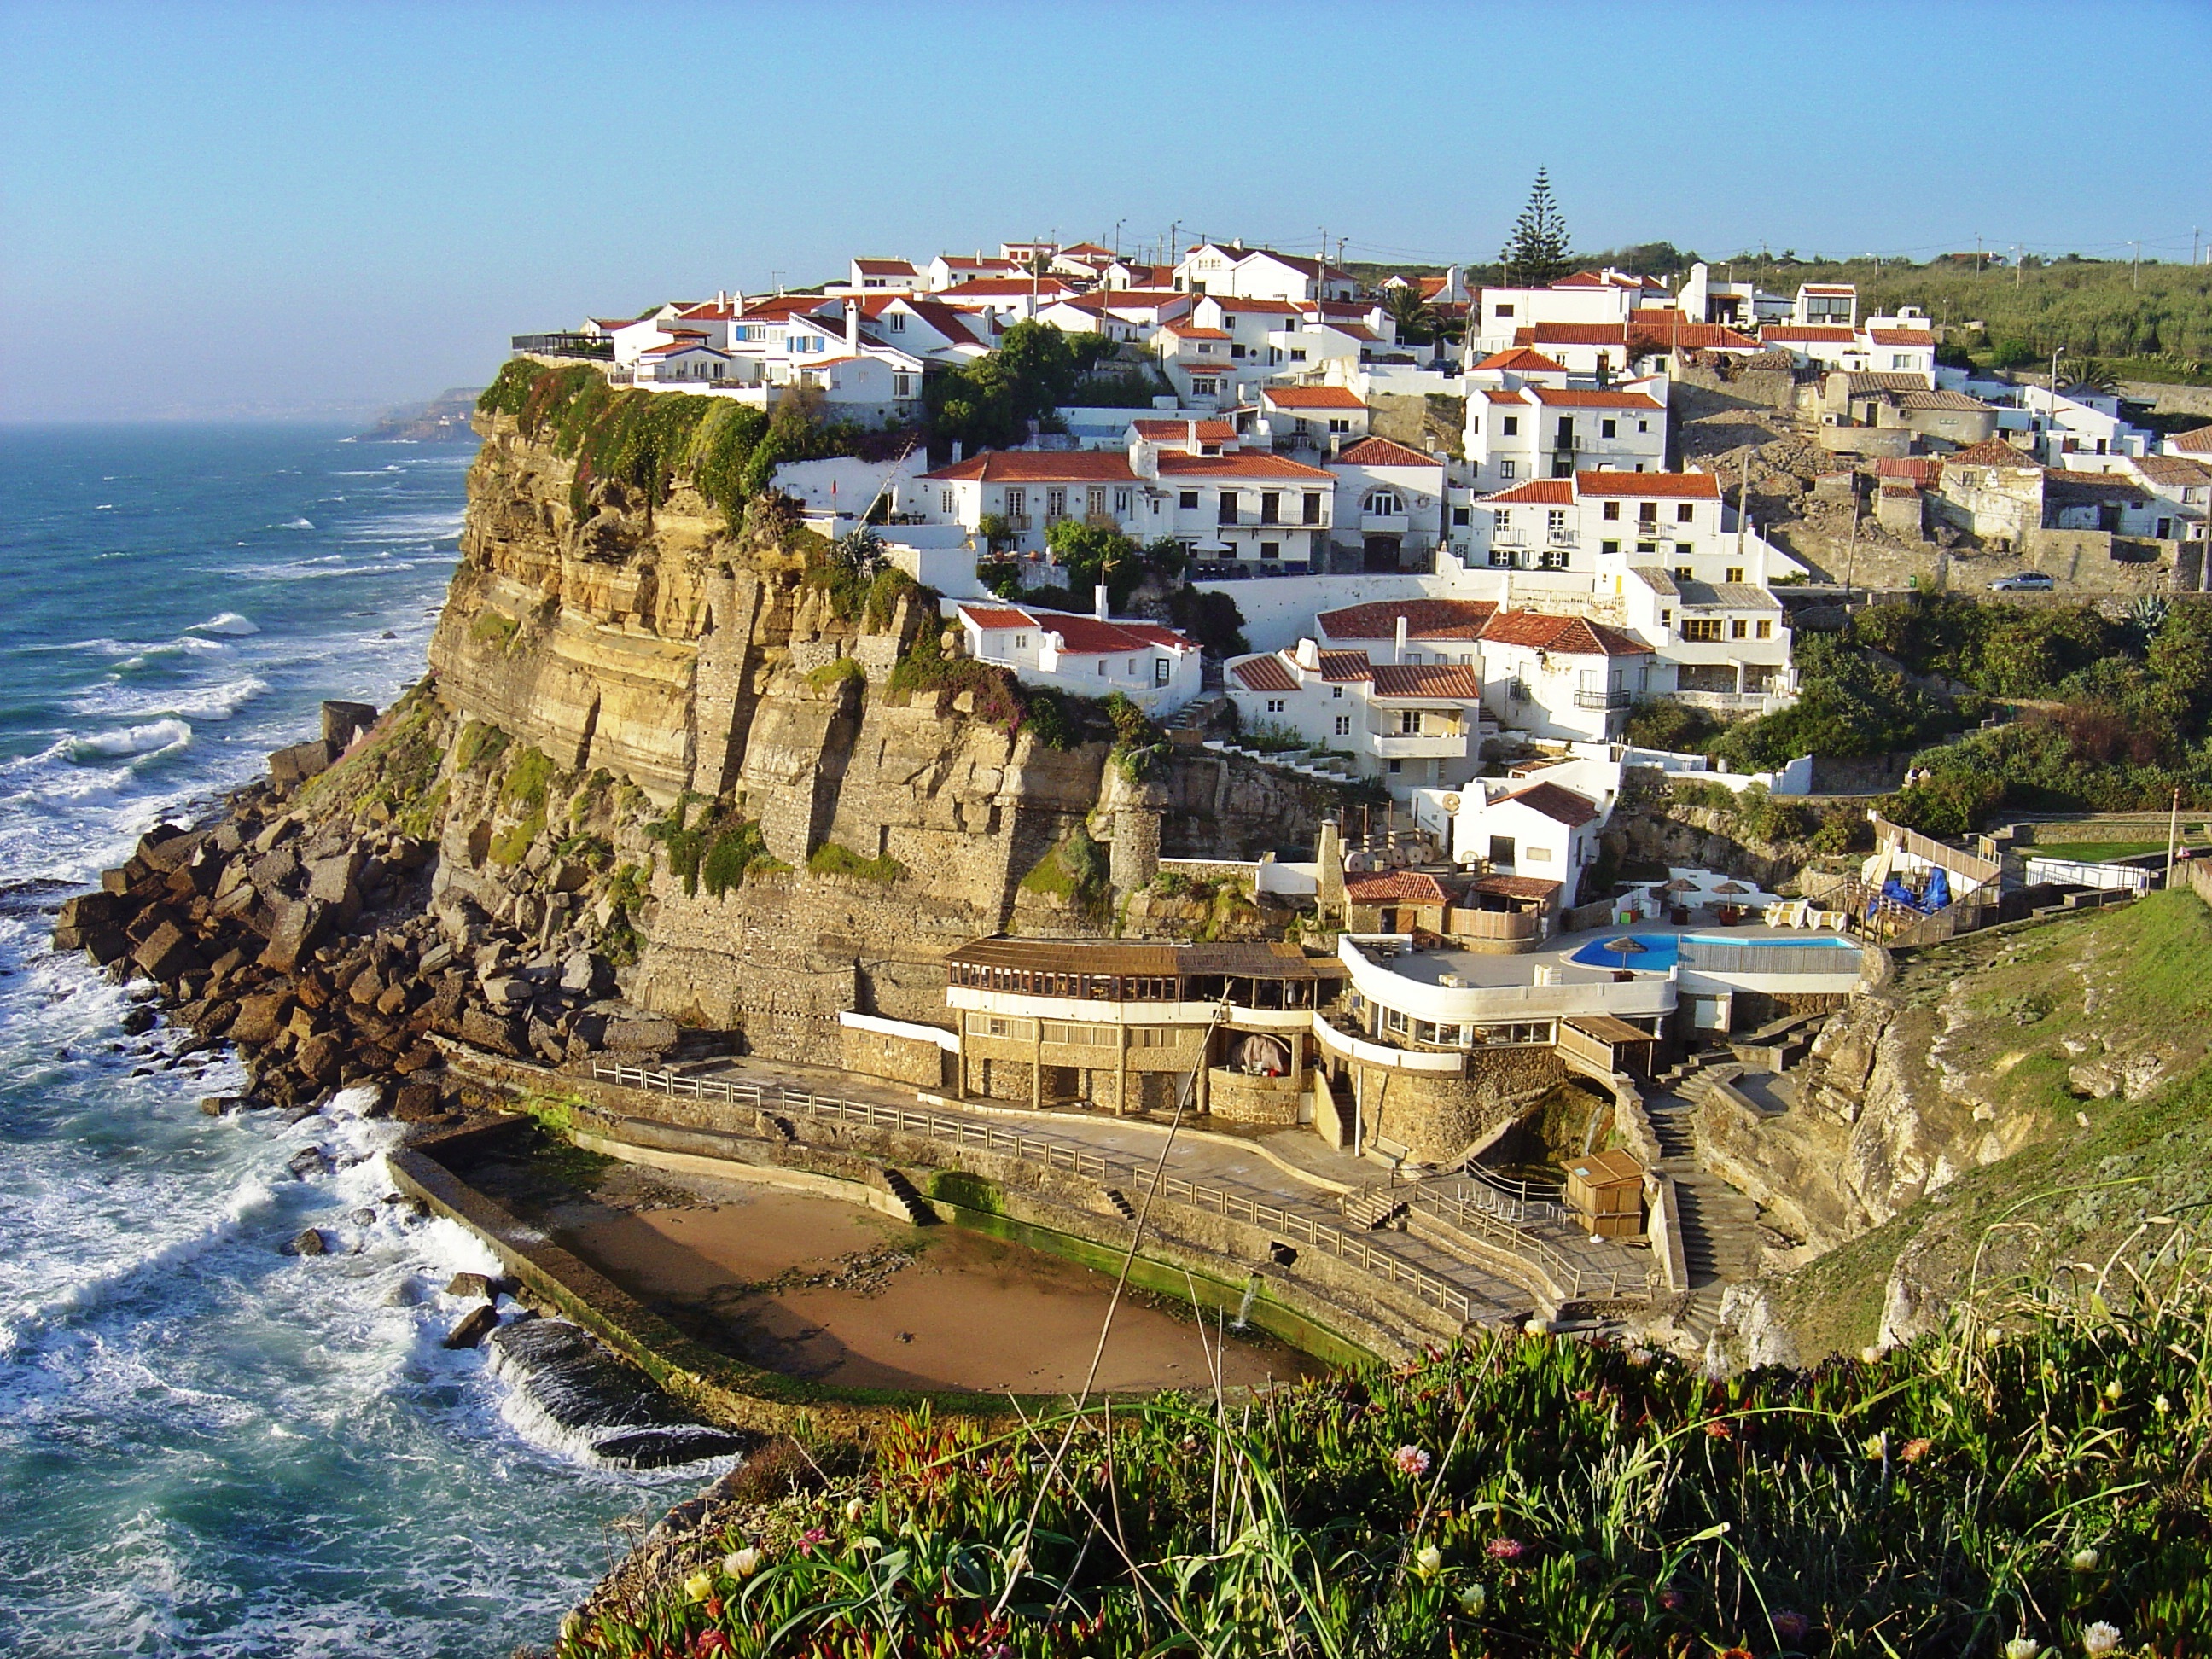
<point x="1154" y="665"/>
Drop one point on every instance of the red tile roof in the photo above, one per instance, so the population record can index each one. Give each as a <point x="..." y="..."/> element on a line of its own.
<point x="1599" y="279"/>
<point x="1038" y="466"/>
<point x="1397" y="885"/>
<point x="1921" y="469"/>
<point x="1810" y="336"/>
<point x="1697" y="486"/>
<point x="1530" y="887"/>
<point x="1573" y="334"/>
<point x="1080" y="636"/>
<point x="1830" y="288"/>
<point x="1381" y="452"/>
<point x="1992" y="452"/>
<point x="1460" y="682"/>
<point x="986" y="615"/>
<point x="1573" y="636"/>
<point x="1559" y="804"/>
<point x="1191" y="331"/>
<point x="1212" y="432"/>
<point x="2197" y="441"/>
<point x="1522" y="361"/>
<point x="1537" y="492"/>
<point x="1901" y="336"/>
<point x="884" y="267"/>
<point x="1575" y="397"/>
<point x="1240" y="465"/>
<point x="1277" y="307"/>
<point x="1006" y="288"/>
<point x="1344" y="666"/>
<point x="1425" y="619"/>
<point x="781" y="308"/>
<point x="1263" y="674"/>
<point x="1311" y="396"/>
<point x="1499" y="395"/>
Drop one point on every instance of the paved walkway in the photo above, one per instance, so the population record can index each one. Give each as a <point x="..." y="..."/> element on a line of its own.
<point x="1292" y="1169"/>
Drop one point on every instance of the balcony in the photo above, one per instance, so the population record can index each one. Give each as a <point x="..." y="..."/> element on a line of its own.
<point x="565" y="345"/>
<point x="1017" y="524"/>
<point x="1426" y="745"/>
<point x="1384" y="524"/>
<point x="1615" y="698"/>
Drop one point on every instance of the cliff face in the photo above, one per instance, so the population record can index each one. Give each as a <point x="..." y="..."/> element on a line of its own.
<point x="694" y="663"/>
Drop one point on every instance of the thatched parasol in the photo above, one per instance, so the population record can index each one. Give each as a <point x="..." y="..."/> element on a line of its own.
<point x="1679" y="885"/>
<point x="1625" y="946"/>
<point x="1731" y="887"/>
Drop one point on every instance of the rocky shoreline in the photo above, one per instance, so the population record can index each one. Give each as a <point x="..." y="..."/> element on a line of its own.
<point x="319" y="948"/>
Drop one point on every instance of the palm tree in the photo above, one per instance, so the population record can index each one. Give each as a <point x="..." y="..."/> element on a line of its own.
<point x="1417" y="319"/>
<point x="2091" y="375"/>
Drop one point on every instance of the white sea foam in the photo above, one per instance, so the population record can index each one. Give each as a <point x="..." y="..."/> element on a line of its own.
<point x="228" y="622"/>
<point x="297" y="523"/>
<point x="152" y="738"/>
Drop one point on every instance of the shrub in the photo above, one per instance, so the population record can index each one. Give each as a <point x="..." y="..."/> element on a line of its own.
<point x="527" y="776"/>
<point x="831" y="675"/>
<point x="831" y="859"/>
<point x="478" y="745"/>
<point x="495" y="630"/>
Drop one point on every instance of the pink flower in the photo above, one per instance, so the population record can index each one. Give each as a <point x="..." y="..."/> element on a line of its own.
<point x="1413" y="1463"/>
<point x="811" y="1537"/>
<point x="1792" y="1627"/>
<point x="1504" y="1549"/>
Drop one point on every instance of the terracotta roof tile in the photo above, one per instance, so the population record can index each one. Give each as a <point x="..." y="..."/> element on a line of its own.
<point x="2195" y="441"/>
<point x="1397" y="885"/>
<point x="1992" y="452"/>
<point x="1311" y="396"/>
<point x="1574" y="397"/>
<point x="1425" y="619"/>
<point x="1813" y="336"/>
<point x="1258" y="464"/>
<point x="1381" y="452"/>
<point x="1038" y="466"/>
<point x="1460" y="682"/>
<point x="1521" y="360"/>
<point x="1573" y="636"/>
<point x="1561" y="806"/>
<point x="1537" y="492"/>
<point x="989" y="615"/>
<point x="1901" y="336"/>
<point x="1342" y="667"/>
<point x="1680" y="485"/>
<point x="1572" y="334"/>
<point x="1263" y="674"/>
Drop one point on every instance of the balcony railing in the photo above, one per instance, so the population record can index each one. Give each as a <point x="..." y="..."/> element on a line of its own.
<point x="1017" y="523"/>
<point x="1614" y="698"/>
<point x="564" y="345"/>
<point x="1424" y="745"/>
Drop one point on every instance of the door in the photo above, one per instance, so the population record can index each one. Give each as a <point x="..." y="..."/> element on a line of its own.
<point x="1381" y="553"/>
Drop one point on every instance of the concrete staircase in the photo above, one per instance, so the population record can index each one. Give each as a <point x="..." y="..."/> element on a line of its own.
<point x="1720" y="1243"/>
<point x="909" y="1198"/>
<point x="1120" y="1200"/>
<point x="1372" y="1207"/>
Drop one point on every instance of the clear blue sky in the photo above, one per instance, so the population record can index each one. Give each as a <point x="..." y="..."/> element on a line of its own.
<point x="310" y="208"/>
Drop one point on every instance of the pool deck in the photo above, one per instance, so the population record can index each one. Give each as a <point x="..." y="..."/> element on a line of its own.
<point x="1479" y="968"/>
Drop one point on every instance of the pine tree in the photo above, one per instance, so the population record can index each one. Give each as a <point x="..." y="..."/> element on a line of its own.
<point x="1539" y="252"/>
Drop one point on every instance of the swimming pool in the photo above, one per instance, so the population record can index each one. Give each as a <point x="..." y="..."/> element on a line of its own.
<point x="1658" y="952"/>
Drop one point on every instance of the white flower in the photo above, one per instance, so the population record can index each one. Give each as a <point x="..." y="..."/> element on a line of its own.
<point x="1869" y="1353"/>
<point x="2161" y="1404"/>
<point x="2099" y="1638"/>
<point x="2022" y="1647"/>
<point x="699" y="1586"/>
<point x="2085" y="1560"/>
<point x="1429" y="1560"/>
<point x="2112" y="1389"/>
<point x="1471" y="1599"/>
<point x="855" y="1509"/>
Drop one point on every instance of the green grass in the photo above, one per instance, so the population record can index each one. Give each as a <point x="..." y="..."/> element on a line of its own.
<point x="2094" y="851"/>
<point x="1516" y="1497"/>
<point x="494" y="630"/>
<point x="831" y="859"/>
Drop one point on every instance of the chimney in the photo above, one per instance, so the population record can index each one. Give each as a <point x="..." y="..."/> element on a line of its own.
<point x="1145" y="459"/>
<point x="1098" y="599"/>
<point x="853" y="326"/>
<point x="1190" y="434"/>
<point x="956" y="448"/>
<point x="1400" y="657"/>
<point x="1308" y="655"/>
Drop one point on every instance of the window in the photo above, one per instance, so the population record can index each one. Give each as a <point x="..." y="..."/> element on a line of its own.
<point x="1552" y="558"/>
<point x="1409" y="722"/>
<point x="1189" y="501"/>
<point x="1021" y="642"/>
<point x="1228" y="512"/>
<point x="1901" y="360"/>
<point x="1274" y="705"/>
<point x="1343" y="725"/>
<point x="1055" y="503"/>
<point x="1122" y="503"/>
<point x="895" y="321"/>
<point x="1460" y="517"/>
<point x="1344" y="425"/>
<point x="1383" y="503"/>
<point x="1206" y="387"/>
<point x="1313" y="508"/>
<point x="1555" y="520"/>
<point x="1647" y="512"/>
<point x="1502" y="311"/>
<point x="1271" y="507"/>
<point x="1474" y="425"/>
<point x="1739" y="629"/>
<point x="945" y="501"/>
<point x="1297" y="354"/>
<point x="1765" y="629"/>
<point x="1666" y="616"/>
<point x="902" y="385"/>
<point x="1163" y="671"/>
<point x="1018" y="502"/>
<point x="1271" y="549"/>
<point x="1686" y="513"/>
<point x="1505" y="468"/>
<point x="998" y="1025"/>
<point x="1736" y="573"/>
<point x="1501" y="519"/>
<point x="1642" y="426"/>
<point x="1609" y="547"/>
<point x="1509" y="425"/>
<point x="1681" y="573"/>
<point x="1396" y="767"/>
<point x="1608" y="429"/>
<point x="1701" y="630"/>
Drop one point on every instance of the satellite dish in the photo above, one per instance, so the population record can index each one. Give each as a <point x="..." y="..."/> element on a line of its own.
<point x="1451" y="803"/>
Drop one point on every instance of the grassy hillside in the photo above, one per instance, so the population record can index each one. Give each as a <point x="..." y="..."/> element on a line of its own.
<point x="2127" y="987"/>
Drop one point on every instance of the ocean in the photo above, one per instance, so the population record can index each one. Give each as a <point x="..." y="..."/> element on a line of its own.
<point x="207" y="1446"/>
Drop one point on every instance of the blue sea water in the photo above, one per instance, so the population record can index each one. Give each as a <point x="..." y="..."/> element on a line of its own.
<point x="207" y="1447"/>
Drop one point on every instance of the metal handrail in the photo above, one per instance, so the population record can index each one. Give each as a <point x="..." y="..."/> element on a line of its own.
<point x="1235" y="1207"/>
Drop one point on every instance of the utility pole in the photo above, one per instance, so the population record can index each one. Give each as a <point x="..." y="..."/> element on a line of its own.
<point x="2018" y="264"/>
<point x="2173" y="833"/>
<point x="1977" y="253"/>
<point x="1743" y="503"/>
<point x="2134" y="274"/>
<point x="2051" y="426"/>
<point x="1851" y="547"/>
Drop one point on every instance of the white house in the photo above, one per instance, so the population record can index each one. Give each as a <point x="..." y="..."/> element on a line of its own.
<point x="882" y="276"/>
<point x="1030" y="490"/>
<point x="1407" y="726"/>
<point x="687" y="357"/>
<point x="1154" y="666"/>
<point x="1408" y="631"/>
<point x="1246" y="509"/>
<point x="1588" y="298"/>
<point x="2078" y="423"/>
<point x="951" y="270"/>
<point x="1825" y="304"/>
<point x="1525" y="428"/>
<point x="1260" y="274"/>
<point x="1392" y="498"/>
<point x="1312" y="416"/>
<point x="1561" y="679"/>
<point x="1541" y="830"/>
<point x="2183" y="486"/>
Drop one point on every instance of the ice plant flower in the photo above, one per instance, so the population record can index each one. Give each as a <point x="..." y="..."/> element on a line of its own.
<point x="2022" y="1647"/>
<point x="2099" y="1638"/>
<point x="699" y="1586"/>
<point x="1411" y="1462"/>
<point x="1913" y="1450"/>
<point x="1505" y="1549"/>
<point x="1429" y="1561"/>
<point x="2112" y="1389"/>
<point x="2161" y="1404"/>
<point x="1791" y="1627"/>
<point x="742" y="1563"/>
<point x="1471" y="1600"/>
<point x="2085" y="1560"/>
<point x="855" y="1509"/>
<point x="1877" y="1445"/>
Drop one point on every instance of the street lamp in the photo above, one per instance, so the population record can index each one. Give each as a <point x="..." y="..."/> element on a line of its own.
<point x="2051" y="428"/>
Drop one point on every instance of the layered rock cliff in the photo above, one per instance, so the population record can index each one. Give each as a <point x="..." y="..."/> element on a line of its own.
<point x="663" y="662"/>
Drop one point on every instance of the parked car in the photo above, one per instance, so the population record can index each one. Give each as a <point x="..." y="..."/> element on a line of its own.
<point x="2027" y="581"/>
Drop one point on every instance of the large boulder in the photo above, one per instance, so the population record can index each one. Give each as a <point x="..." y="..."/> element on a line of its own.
<point x="336" y="880"/>
<point x="298" y="925"/>
<point x="260" y="1018"/>
<point x="344" y="722"/>
<point x="482" y="1029"/>
<point x="168" y="953"/>
<point x="293" y="766"/>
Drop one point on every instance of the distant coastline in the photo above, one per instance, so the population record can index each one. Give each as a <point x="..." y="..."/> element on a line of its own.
<point x="443" y="419"/>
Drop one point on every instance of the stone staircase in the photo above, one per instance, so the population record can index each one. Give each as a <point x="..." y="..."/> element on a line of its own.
<point x="1720" y="1243"/>
<point x="1120" y="1200"/>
